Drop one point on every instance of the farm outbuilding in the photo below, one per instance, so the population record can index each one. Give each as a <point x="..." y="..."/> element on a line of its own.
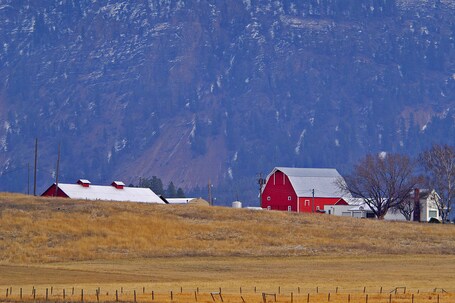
<point x="302" y="189"/>
<point x="117" y="191"/>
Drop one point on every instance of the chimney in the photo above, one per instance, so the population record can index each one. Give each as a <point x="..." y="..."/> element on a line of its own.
<point x="118" y="184"/>
<point x="416" y="205"/>
<point x="83" y="182"/>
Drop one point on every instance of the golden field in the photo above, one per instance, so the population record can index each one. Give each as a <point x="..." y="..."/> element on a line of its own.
<point x="60" y="243"/>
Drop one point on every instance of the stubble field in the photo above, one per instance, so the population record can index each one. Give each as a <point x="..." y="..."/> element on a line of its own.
<point x="58" y="245"/>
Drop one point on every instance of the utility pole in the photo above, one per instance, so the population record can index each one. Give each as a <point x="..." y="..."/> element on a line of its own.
<point x="210" y="193"/>
<point x="36" y="162"/>
<point x="312" y="206"/>
<point x="28" y="178"/>
<point x="261" y="182"/>
<point x="56" y="173"/>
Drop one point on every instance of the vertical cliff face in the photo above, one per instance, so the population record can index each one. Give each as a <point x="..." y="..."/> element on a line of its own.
<point x="191" y="91"/>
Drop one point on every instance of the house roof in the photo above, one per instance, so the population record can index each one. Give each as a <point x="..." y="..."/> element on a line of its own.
<point x="322" y="180"/>
<point x="110" y="193"/>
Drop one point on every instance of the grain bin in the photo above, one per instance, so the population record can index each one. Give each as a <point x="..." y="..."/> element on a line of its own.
<point x="236" y="204"/>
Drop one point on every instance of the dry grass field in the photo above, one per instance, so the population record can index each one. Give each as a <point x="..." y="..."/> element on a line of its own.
<point x="62" y="244"/>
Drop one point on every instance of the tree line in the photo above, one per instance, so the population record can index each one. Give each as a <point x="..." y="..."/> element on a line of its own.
<point x="156" y="185"/>
<point x="386" y="181"/>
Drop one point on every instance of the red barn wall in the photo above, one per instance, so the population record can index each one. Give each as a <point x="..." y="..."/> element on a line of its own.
<point x="278" y="193"/>
<point x="305" y="203"/>
<point x="50" y="192"/>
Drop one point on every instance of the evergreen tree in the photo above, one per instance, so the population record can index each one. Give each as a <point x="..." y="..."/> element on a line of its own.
<point x="171" y="192"/>
<point x="180" y="193"/>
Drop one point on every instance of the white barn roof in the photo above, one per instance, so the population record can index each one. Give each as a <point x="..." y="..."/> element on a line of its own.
<point x="322" y="180"/>
<point x="110" y="193"/>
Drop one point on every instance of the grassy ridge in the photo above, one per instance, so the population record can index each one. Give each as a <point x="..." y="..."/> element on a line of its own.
<point x="36" y="230"/>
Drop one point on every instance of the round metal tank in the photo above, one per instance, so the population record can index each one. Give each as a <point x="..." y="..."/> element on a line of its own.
<point x="236" y="204"/>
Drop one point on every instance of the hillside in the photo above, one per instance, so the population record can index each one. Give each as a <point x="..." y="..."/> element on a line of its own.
<point x="37" y="230"/>
<point x="197" y="90"/>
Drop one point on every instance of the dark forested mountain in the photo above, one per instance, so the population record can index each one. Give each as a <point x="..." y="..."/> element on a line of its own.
<point x="221" y="90"/>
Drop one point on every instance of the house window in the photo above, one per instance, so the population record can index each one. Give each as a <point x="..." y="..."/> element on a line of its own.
<point x="289" y="208"/>
<point x="433" y="214"/>
<point x="269" y="198"/>
<point x="289" y="198"/>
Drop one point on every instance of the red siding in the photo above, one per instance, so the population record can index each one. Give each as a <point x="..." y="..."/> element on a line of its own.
<point x="50" y="192"/>
<point x="307" y="202"/>
<point x="279" y="193"/>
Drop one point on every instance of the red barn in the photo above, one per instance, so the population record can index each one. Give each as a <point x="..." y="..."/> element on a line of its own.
<point x="302" y="189"/>
<point x="117" y="191"/>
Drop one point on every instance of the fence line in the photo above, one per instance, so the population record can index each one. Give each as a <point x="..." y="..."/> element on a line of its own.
<point x="241" y="295"/>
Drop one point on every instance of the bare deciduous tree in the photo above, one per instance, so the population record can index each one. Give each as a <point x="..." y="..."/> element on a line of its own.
<point x="439" y="165"/>
<point x="406" y="208"/>
<point x="383" y="182"/>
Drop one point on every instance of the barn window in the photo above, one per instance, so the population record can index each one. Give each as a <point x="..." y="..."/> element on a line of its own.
<point x="269" y="198"/>
<point x="269" y="207"/>
<point x="307" y="202"/>
<point x="289" y="198"/>
<point x="289" y="208"/>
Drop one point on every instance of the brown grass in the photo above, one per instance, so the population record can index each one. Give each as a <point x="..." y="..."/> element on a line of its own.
<point x="36" y="230"/>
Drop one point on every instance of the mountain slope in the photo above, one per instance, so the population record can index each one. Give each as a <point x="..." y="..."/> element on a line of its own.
<point x="191" y="91"/>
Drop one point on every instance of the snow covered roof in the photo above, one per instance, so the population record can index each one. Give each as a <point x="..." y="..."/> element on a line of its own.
<point x="110" y="193"/>
<point x="322" y="180"/>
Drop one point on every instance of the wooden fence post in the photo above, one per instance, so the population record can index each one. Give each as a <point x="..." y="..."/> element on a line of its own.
<point x="153" y="295"/>
<point x="34" y="293"/>
<point x="116" y="295"/>
<point x="390" y="298"/>
<point x="308" y="298"/>
<point x="20" y="291"/>
<point x="7" y="290"/>
<point x="64" y="294"/>
<point x="82" y="295"/>
<point x="292" y="297"/>
<point x="317" y="289"/>
<point x="52" y="290"/>
<point x="47" y="293"/>
<point x="328" y="298"/>
<point x="240" y="289"/>
<point x="298" y="289"/>
<point x="255" y="289"/>
<point x="349" y="298"/>
<point x="134" y="296"/>
<point x="181" y="289"/>
<point x="412" y="299"/>
<point x="72" y="291"/>
<point x="195" y="296"/>
<point x="121" y="290"/>
<point x="143" y="290"/>
<point x="364" y="289"/>
<point x="279" y="289"/>
<point x="97" y="295"/>
<point x="336" y="290"/>
<point x="380" y="291"/>
<point x="172" y="296"/>
<point x="438" y="298"/>
<point x="366" y="298"/>
<point x="197" y="289"/>
<point x="263" y="297"/>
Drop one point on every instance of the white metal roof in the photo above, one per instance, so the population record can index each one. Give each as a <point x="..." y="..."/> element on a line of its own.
<point x="179" y="200"/>
<point x="322" y="180"/>
<point x="110" y="193"/>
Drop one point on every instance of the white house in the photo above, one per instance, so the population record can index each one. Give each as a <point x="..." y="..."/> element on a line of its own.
<point x="357" y="208"/>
